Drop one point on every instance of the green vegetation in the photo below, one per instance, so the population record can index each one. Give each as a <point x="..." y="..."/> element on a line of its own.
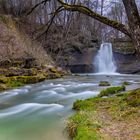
<point x="104" y="83"/>
<point x="96" y="117"/>
<point x="133" y="98"/>
<point x="81" y="125"/>
<point x="126" y="83"/>
<point x="17" y="77"/>
<point x="111" y="91"/>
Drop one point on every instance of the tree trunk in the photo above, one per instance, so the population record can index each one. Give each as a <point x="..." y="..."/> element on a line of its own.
<point x="134" y="22"/>
<point x="135" y="36"/>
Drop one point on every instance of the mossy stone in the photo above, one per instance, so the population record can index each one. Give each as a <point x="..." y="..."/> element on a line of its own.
<point x="111" y="91"/>
<point x="104" y="83"/>
<point x="126" y="83"/>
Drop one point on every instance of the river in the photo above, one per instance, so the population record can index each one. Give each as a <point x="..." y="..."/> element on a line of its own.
<point x="40" y="111"/>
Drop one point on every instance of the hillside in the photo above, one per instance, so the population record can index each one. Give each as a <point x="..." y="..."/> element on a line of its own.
<point x="22" y="61"/>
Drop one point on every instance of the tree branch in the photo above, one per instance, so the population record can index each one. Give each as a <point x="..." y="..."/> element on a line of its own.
<point x="33" y="8"/>
<point x="85" y="10"/>
<point x="51" y="21"/>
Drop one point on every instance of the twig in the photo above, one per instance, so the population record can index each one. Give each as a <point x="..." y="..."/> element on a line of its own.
<point x="51" y="21"/>
<point x="33" y="8"/>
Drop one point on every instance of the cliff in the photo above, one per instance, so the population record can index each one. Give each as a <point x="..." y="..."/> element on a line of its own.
<point x="124" y="53"/>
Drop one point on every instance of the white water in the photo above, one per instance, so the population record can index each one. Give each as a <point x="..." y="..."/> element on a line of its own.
<point x="40" y="111"/>
<point x="104" y="61"/>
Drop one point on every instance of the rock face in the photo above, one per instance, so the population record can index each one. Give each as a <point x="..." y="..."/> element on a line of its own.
<point x="125" y="57"/>
<point x="124" y="54"/>
<point x="83" y="62"/>
<point x="129" y="64"/>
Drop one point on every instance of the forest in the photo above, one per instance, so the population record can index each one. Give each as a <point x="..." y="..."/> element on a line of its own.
<point x="69" y="69"/>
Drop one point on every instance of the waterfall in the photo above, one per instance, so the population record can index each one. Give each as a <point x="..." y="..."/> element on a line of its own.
<point x="104" y="61"/>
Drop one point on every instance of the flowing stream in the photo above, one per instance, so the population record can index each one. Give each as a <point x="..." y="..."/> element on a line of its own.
<point x="40" y="111"/>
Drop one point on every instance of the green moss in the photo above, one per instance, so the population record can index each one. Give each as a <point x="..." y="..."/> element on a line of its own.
<point x="14" y="77"/>
<point x="13" y="84"/>
<point x="17" y="81"/>
<point x="28" y="79"/>
<point x="104" y="83"/>
<point x="92" y="115"/>
<point x="81" y="127"/>
<point x="133" y="98"/>
<point x="111" y="91"/>
<point x="87" y="133"/>
<point x="86" y="104"/>
<point x="126" y="83"/>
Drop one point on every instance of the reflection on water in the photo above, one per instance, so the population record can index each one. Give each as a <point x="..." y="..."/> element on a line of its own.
<point x="39" y="112"/>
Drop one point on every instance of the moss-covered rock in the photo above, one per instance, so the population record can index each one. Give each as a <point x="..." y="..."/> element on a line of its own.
<point x="14" y="77"/>
<point x="28" y="79"/>
<point x="17" y="81"/>
<point x="11" y="77"/>
<point x="125" y="83"/>
<point x="104" y="83"/>
<point x="111" y="91"/>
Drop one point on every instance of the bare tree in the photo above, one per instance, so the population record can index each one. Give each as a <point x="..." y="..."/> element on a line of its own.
<point x="68" y="16"/>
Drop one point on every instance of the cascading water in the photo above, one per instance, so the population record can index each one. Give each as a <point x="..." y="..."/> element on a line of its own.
<point x="104" y="61"/>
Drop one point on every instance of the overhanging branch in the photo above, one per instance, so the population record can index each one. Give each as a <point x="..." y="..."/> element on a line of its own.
<point x="85" y="10"/>
<point x="51" y="21"/>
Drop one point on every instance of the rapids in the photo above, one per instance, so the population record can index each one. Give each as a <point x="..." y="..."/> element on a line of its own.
<point x="40" y="111"/>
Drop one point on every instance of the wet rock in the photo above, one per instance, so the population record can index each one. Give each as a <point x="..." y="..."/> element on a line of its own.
<point x="126" y="83"/>
<point x="104" y="83"/>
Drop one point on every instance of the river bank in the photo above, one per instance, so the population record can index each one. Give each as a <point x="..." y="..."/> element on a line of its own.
<point x="116" y="117"/>
<point x="14" y="77"/>
<point x="40" y="111"/>
<point x="23" y="60"/>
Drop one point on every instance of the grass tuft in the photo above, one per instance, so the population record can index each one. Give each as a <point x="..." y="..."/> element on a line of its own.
<point x="96" y="117"/>
<point x="111" y="91"/>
